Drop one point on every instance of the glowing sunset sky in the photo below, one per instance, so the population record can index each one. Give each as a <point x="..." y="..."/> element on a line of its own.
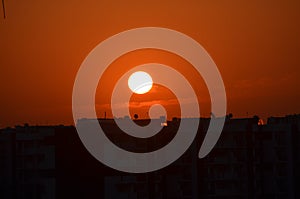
<point x="256" y="46"/>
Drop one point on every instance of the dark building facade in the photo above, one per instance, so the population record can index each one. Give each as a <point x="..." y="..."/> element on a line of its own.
<point x="249" y="161"/>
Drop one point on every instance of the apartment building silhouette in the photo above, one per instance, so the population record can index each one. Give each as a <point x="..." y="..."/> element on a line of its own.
<point x="249" y="161"/>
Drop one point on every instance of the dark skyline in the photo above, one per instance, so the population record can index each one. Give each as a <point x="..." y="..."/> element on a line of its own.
<point x="249" y="161"/>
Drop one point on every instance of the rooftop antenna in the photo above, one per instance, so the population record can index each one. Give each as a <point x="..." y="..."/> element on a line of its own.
<point x="3" y="7"/>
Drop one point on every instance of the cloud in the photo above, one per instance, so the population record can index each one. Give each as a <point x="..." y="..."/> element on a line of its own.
<point x="143" y="104"/>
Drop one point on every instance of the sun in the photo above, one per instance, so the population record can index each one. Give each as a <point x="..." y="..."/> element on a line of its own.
<point x="140" y="82"/>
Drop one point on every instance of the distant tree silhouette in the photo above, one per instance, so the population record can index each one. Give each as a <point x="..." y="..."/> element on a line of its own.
<point x="228" y="117"/>
<point x="256" y="119"/>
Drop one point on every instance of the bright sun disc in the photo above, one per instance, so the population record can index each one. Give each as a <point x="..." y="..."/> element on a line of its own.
<point x="140" y="82"/>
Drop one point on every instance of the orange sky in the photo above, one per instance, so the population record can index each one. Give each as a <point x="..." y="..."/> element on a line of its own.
<point x="158" y="94"/>
<point x="255" y="45"/>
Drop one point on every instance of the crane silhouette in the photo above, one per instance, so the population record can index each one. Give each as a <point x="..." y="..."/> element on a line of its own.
<point x="3" y="7"/>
